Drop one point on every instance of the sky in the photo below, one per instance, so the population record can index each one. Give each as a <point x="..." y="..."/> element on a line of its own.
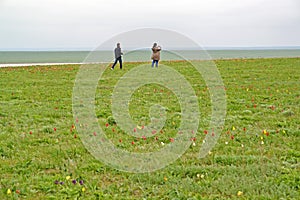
<point x="86" y="24"/>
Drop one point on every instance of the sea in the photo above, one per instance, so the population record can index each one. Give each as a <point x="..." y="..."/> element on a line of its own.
<point x="19" y="58"/>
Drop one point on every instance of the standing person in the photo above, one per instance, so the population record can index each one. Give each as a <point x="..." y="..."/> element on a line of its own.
<point x="155" y="54"/>
<point x="118" y="56"/>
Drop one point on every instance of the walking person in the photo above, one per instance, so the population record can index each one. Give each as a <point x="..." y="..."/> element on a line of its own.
<point x="155" y="54"/>
<point x="118" y="56"/>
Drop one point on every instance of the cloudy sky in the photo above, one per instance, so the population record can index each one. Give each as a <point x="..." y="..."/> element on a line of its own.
<point x="76" y="24"/>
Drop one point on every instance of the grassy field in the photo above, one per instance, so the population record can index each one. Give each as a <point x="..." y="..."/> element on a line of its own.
<point x="257" y="155"/>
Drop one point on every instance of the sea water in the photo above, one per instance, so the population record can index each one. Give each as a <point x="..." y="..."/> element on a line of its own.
<point x="21" y="57"/>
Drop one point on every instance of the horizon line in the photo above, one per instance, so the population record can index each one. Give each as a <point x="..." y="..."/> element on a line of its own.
<point x="184" y="48"/>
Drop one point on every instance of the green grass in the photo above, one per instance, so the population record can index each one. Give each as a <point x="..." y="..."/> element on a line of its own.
<point x="39" y="144"/>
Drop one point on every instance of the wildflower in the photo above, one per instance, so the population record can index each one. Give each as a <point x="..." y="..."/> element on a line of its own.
<point x="56" y="182"/>
<point x="162" y="143"/>
<point x="239" y="193"/>
<point x="134" y="130"/>
<point x="283" y="131"/>
<point x="262" y="142"/>
<point x="154" y="131"/>
<point x="232" y="137"/>
<point x="244" y="129"/>
<point x="54" y="129"/>
<point x="233" y="128"/>
<point x="30" y="132"/>
<point x="132" y="142"/>
<point x="18" y="191"/>
<point x="106" y="125"/>
<point x="81" y="182"/>
<point x="171" y="139"/>
<point x="200" y="175"/>
<point x="74" y="181"/>
<point x="194" y="144"/>
<point x="95" y="134"/>
<point x="120" y="140"/>
<point x="8" y="191"/>
<point x="205" y="132"/>
<point x="83" y="189"/>
<point x="75" y="136"/>
<point x="226" y="143"/>
<point x="61" y="183"/>
<point x="165" y="178"/>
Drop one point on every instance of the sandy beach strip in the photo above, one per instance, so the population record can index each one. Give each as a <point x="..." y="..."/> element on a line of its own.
<point x="36" y="64"/>
<point x="46" y="64"/>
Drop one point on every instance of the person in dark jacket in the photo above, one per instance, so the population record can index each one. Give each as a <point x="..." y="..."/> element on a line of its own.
<point x="155" y="54"/>
<point x="118" y="56"/>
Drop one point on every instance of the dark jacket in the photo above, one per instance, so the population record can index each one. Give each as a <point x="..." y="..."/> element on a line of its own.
<point x="118" y="52"/>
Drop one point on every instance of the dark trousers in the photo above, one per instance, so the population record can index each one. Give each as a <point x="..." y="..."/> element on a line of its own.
<point x="120" y="61"/>
<point x="155" y="62"/>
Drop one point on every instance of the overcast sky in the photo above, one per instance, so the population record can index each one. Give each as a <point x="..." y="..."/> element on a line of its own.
<point x="75" y="24"/>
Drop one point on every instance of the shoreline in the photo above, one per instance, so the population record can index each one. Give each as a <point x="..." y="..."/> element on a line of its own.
<point x="3" y="65"/>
